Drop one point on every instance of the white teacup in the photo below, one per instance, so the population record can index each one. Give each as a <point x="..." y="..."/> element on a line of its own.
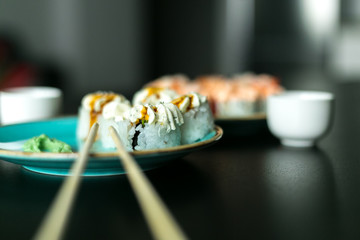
<point x="23" y="104"/>
<point x="300" y="118"/>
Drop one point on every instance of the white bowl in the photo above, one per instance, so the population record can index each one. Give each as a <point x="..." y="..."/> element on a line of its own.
<point x="23" y="104"/>
<point x="300" y="118"/>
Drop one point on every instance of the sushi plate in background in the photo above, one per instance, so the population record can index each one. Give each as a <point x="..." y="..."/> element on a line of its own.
<point x="100" y="163"/>
<point x="242" y="126"/>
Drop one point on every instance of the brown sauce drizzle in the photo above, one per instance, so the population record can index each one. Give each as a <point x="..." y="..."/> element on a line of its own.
<point x="94" y="114"/>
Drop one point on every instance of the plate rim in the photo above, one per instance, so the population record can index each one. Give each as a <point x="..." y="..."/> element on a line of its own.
<point x="70" y="156"/>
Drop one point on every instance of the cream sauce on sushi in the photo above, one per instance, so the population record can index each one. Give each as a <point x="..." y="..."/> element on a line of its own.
<point x="166" y="114"/>
<point x="140" y="114"/>
<point x="115" y="109"/>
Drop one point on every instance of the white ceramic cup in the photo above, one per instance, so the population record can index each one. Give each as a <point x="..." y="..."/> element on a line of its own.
<point x="24" y="104"/>
<point x="300" y="118"/>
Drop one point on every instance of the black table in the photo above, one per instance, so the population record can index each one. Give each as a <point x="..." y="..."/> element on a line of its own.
<point x="244" y="187"/>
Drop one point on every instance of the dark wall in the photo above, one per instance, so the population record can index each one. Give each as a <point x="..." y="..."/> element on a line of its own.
<point x="182" y="37"/>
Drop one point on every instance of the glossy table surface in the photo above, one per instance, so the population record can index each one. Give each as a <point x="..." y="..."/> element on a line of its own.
<point x="244" y="187"/>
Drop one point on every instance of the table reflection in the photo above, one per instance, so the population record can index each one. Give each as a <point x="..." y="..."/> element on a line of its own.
<point x="301" y="193"/>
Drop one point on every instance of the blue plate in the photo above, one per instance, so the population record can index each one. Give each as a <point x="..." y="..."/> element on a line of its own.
<point x="99" y="164"/>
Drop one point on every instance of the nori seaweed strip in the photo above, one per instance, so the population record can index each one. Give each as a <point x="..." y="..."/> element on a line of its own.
<point x="135" y="138"/>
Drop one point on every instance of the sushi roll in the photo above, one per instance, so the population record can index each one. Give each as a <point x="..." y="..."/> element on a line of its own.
<point x="247" y="95"/>
<point x="241" y="99"/>
<point x="198" y="117"/>
<point x="266" y="86"/>
<point x="145" y="127"/>
<point x="156" y="126"/>
<point x="154" y="95"/>
<point x="97" y="106"/>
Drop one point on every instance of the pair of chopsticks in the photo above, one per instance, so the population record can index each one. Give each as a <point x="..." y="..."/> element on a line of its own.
<point x="161" y="222"/>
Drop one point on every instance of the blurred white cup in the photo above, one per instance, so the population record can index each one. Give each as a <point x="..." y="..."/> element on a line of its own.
<point x="300" y="118"/>
<point x="24" y="104"/>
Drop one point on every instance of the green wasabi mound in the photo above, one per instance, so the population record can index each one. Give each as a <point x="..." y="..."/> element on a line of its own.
<point x="43" y="143"/>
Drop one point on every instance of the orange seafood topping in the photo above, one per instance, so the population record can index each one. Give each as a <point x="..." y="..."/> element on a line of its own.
<point x="220" y="89"/>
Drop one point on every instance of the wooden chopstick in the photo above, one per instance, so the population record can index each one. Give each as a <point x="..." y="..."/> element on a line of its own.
<point x="56" y="218"/>
<point x="161" y="222"/>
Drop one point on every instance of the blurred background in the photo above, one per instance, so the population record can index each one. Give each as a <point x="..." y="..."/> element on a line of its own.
<point x="83" y="46"/>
